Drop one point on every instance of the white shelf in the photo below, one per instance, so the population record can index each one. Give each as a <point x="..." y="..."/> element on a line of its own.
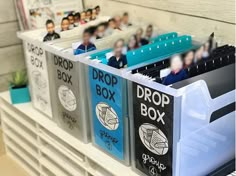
<point x="20" y="142"/>
<point x="44" y="149"/>
<point x="62" y="161"/>
<point x="52" y="168"/>
<point x="23" y="154"/>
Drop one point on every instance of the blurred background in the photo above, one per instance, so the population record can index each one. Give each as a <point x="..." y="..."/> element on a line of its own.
<point x="198" y="18"/>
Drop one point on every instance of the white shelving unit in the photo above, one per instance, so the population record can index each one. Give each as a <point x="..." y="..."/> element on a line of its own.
<point x="43" y="149"/>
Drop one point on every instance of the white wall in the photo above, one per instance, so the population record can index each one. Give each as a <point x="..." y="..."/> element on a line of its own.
<point x="196" y="17"/>
<point x="11" y="53"/>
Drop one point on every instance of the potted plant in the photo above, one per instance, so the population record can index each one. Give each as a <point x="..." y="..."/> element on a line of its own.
<point x="19" y="90"/>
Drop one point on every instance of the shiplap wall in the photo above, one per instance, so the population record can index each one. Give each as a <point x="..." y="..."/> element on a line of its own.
<point x="196" y="17"/>
<point x="11" y="53"/>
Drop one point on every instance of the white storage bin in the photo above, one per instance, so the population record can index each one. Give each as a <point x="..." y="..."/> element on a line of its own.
<point x="187" y="128"/>
<point x="35" y="56"/>
<point x="108" y="98"/>
<point x="67" y="84"/>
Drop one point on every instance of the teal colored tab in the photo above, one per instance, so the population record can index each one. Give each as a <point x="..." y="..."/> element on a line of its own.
<point x="164" y="37"/>
<point x="100" y="54"/>
<point x="104" y="60"/>
<point x="159" y="49"/>
<point x="169" y="45"/>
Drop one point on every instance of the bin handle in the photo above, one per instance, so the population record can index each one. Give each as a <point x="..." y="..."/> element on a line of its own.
<point x="222" y="101"/>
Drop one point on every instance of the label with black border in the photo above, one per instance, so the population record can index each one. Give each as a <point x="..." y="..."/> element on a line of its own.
<point x="153" y="131"/>
<point x="65" y="93"/>
<point x="107" y="111"/>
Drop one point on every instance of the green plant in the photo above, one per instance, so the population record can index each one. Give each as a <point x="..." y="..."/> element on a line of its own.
<point x="19" y="79"/>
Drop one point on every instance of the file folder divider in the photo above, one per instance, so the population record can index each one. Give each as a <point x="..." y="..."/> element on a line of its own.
<point x="108" y="96"/>
<point x="152" y="51"/>
<point x="162" y="37"/>
<point x="67" y="89"/>
<point x="159" y="129"/>
<point x="35" y="57"/>
<point x="180" y="136"/>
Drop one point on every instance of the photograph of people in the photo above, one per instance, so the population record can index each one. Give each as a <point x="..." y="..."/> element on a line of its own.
<point x="139" y="34"/>
<point x="94" y="14"/>
<point x="177" y="72"/>
<point x="206" y="50"/>
<point x="98" y="9"/>
<point x="86" y="46"/>
<point x="77" y="19"/>
<point x="149" y="32"/>
<point x="88" y="15"/>
<point x="212" y="43"/>
<point x="65" y="24"/>
<point x="189" y="59"/>
<point x="82" y="18"/>
<point x="111" y="27"/>
<point x="125" y="21"/>
<point x="71" y="20"/>
<point x="198" y="54"/>
<point x="93" y="32"/>
<point x="119" y="60"/>
<point x="117" y="19"/>
<point x="133" y="43"/>
<point x="51" y="35"/>
<point x="100" y="32"/>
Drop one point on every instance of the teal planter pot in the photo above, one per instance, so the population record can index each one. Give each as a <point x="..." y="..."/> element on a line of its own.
<point x="19" y="95"/>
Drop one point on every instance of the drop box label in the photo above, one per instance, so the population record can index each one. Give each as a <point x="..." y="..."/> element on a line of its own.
<point x="106" y="98"/>
<point x="65" y="93"/>
<point x="38" y="77"/>
<point x="153" y="130"/>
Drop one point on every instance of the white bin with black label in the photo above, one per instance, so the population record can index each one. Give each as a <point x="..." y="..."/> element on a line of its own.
<point x="187" y="128"/>
<point x="107" y="93"/>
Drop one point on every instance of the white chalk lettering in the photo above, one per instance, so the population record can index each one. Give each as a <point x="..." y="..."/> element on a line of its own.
<point x="153" y="161"/>
<point x="152" y="113"/>
<point x="157" y="98"/>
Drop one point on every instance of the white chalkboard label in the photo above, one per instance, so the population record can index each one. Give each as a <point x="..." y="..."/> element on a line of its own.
<point x="38" y="77"/>
<point x="153" y="130"/>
